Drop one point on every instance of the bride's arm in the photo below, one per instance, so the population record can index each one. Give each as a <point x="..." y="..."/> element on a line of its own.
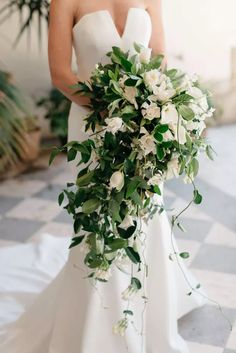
<point x="157" y="42"/>
<point x="60" y="49"/>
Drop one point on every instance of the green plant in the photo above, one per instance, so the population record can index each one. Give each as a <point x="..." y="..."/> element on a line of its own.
<point x="57" y="108"/>
<point x="33" y="8"/>
<point x="13" y="122"/>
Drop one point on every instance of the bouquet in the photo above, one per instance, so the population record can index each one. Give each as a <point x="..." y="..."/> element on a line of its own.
<point x="144" y="126"/>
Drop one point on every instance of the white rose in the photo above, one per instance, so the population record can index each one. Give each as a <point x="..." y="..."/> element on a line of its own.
<point x="113" y="124"/>
<point x="173" y="168"/>
<point x="147" y="144"/>
<point x="152" y="79"/>
<point x="127" y="222"/>
<point x="163" y="92"/>
<point x="169" y="114"/>
<point x="117" y="180"/>
<point x="150" y="111"/>
<point x="155" y="180"/>
<point x="145" y="55"/>
<point x="130" y="93"/>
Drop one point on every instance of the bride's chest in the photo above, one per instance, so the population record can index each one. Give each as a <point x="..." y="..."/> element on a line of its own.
<point x="95" y="33"/>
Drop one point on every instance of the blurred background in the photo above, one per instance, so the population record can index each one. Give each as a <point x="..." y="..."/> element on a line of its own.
<point x="201" y="38"/>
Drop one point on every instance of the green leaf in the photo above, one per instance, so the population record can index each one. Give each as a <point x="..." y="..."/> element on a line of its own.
<point x="80" y="197"/>
<point x="195" y="166"/>
<point x="186" y="112"/>
<point x="76" y="241"/>
<point x="85" y="179"/>
<point x="210" y="152"/>
<point x="137" y="47"/>
<point x="128" y="312"/>
<point x="130" y="82"/>
<point x="118" y="243"/>
<point x="132" y="186"/>
<point x="197" y="197"/>
<point x="136" y="198"/>
<point x="155" y="62"/>
<point x="162" y="128"/>
<point x="114" y="210"/>
<point x="160" y="153"/>
<point x="127" y="233"/>
<point x="135" y="282"/>
<point x="184" y="255"/>
<point x="61" y="198"/>
<point x="92" y="260"/>
<point x="54" y="154"/>
<point x="91" y="205"/>
<point x="133" y="255"/>
<point x="71" y="154"/>
<point x="157" y="190"/>
<point x="158" y="136"/>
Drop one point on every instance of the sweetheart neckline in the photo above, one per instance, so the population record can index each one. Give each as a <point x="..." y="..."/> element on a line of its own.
<point x="107" y="12"/>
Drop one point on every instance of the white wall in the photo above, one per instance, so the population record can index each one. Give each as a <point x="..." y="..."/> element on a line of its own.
<point x="202" y="31"/>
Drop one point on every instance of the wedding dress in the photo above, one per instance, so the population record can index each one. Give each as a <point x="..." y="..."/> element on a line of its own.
<point x="46" y="305"/>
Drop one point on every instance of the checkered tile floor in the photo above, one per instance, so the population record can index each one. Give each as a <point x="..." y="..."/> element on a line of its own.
<point x="28" y="208"/>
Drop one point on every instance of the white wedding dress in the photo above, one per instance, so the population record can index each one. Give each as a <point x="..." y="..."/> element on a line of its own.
<point x="46" y="305"/>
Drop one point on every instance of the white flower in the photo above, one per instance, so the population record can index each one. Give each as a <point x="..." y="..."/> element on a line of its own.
<point x="143" y="130"/>
<point x="196" y="125"/>
<point x="130" y="93"/>
<point x="155" y="180"/>
<point x="113" y="124"/>
<point x="147" y="144"/>
<point x="120" y="327"/>
<point x="167" y="136"/>
<point x="199" y="96"/>
<point x="102" y="274"/>
<point x="137" y="245"/>
<point x="164" y="92"/>
<point x="117" y="180"/>
<point x="188" y="179"/>
<point x="179" y="132"/>
<point x="173" y="168"/>
<point x="129" y="293"/>
<point x="145" y="55"/>
<point x="127" y="222"/>
<point x="150" y="111"/>
<point x="152" y="79"/>
<point x="169" y="114"/>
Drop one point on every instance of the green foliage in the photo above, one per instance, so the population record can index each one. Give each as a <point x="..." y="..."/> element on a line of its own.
<point x="57" y="108"/>
<point x="15" y="121"/>
<point x="132" y="148"/>
<point x="33" y="9"/>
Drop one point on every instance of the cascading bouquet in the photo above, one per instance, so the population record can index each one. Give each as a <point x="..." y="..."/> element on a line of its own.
<point x="145" y="126"/>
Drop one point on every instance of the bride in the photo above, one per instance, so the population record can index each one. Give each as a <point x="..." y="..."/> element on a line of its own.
<point x="69" y="315"/>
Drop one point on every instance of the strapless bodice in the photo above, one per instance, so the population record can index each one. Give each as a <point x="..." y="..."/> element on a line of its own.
<point x="96" y="33"/>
